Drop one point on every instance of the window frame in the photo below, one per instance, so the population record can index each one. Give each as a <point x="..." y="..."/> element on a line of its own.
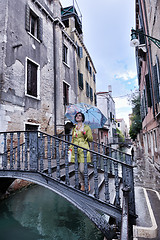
<point x="39" y="24"/>
<point x="26" y="79"/>
<point x="65" y="54"/>
<point x="80" y="80"/>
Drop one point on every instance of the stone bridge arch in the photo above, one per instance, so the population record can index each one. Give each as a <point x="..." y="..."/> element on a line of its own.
<point x="94" y="211"/>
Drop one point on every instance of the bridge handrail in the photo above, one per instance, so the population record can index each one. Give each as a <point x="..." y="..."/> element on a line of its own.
<point x="69" y="143"/>
<point x="41" y="138"/>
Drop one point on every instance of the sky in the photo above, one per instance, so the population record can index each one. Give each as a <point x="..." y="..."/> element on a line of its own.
<point x="106" y="26"/>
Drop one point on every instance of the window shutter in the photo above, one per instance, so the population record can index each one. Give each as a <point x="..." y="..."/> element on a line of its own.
<point x="148" y="90"/>
<point x="89" y="66"/>
<point x="80" y="80"/>
<point x="27" y="19"/>
<point x="95" y="99"/>
<point x="91" y="94"/>
<point x="94" y="77"/>
<point x="90" y="70"/>
<point x="145" y="102"/>
<point x="40" y="29"/>
<point x="156" y="87"/>
<point x="86" y="62"/>
<point x="87" y="89"/>
<point x="142" y="109"/>
<point x="158" y="76"/>
<point x="81" y="52"/>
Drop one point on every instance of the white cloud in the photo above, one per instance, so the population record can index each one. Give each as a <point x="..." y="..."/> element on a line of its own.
<point x="126" y="75"/>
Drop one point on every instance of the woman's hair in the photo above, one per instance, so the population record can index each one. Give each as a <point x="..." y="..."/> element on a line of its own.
<point x="83" y="117"/>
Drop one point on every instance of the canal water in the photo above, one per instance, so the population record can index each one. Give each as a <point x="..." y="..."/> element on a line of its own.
<point x="37" y="213"/>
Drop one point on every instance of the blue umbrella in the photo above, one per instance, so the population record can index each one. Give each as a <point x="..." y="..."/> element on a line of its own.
<point x="93" y="116"/>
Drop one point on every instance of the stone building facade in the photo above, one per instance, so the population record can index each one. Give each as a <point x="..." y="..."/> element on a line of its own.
<point x="147" y="58"/>
<point x="86" y="71"/>
<point x="106" y="104"/>
<point x="38" y="70"/>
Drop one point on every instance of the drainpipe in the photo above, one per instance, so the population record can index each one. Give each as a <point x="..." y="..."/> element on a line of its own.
<point x="55" y="85"/>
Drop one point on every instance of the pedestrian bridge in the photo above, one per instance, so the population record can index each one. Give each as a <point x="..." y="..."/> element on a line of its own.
<point x="43" y="159"/>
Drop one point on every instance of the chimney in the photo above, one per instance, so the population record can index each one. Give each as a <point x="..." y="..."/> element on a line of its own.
<point x="110" y="89"/>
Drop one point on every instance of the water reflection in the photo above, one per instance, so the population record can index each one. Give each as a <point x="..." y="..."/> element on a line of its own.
<point x="38" y="213"/>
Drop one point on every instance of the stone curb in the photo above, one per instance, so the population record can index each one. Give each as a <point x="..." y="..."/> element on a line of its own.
<point x="146" y="232"/>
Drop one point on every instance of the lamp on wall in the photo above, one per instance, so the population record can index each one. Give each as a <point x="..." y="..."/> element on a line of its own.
<point x="135" y="42"/>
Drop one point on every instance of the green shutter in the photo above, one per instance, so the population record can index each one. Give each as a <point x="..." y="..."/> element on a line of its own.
<point x="91" y="94"/>
<point x="87" y="89"/>
<point x="148" y="90"/>
<point x="80" y="80"/>
<point x="95" y="99"/>
<point x="86" y="62"/>
<point x="80" y="52"/>
<point x="27" y="18"/>
<point x="156" y="85"/>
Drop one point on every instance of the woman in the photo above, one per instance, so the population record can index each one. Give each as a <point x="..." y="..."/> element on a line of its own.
<point x="81" y="135"/>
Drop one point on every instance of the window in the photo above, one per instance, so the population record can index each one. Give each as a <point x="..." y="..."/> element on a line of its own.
<point x="87" y="89"/>
<point x="118" y="124"/>
<point x="148" y="90"/>
<point x="65" y="54"/>
<point x="34" y="24"/>
<point x="31" y="127"/>
<point x="95" y="99"/>
<point x="94" y="77"/>
<point x="32" y="78"/>
<point x="65" y="93"/>
<point x="80" y="52"/>
<point x="91" y="94"/>
<point x="87" y="63"/>
<point x="90" y="70"/>
<point x="80" y="80"/>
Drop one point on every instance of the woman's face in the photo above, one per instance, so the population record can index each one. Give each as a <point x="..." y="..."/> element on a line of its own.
<point x="79" y="117"/>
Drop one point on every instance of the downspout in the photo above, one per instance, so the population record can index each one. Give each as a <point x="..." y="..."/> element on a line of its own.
<point x="55" y="84"/>
<point x="149" y="47"/>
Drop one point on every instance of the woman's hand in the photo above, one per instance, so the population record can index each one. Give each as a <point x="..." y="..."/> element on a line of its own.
<point x="84" y="132"/>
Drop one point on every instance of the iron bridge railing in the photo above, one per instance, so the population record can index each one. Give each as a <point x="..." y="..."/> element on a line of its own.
<point x="31" y="151"/>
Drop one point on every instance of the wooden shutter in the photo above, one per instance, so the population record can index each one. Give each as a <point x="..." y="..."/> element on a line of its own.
<point x="27" y="18"/>
<point x="156" y="84"/>
<point x="95" y="99"/>
<point x="87" y="62"/>
<point x="91" y="94"/>
<point x="80" y="52"/>
<point x="148" y="90"/>
<point x="40" y="29"/>
<point x="87" y="89"/>
<point x="80" y="80"/>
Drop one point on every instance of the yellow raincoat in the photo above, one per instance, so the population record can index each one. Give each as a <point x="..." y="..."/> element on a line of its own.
<point x="81" y="138"/>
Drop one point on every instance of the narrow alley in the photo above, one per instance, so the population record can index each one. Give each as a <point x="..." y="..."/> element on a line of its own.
<point x="147" y="190"/>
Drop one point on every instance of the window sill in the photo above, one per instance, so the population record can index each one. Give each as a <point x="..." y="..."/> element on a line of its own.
<point x="30" y="96"/>
<point x="66" y="64"/>
<point x="34" y="37"/>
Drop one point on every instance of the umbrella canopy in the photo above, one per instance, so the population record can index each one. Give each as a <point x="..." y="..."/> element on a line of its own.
<point x="93" y="116"/>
